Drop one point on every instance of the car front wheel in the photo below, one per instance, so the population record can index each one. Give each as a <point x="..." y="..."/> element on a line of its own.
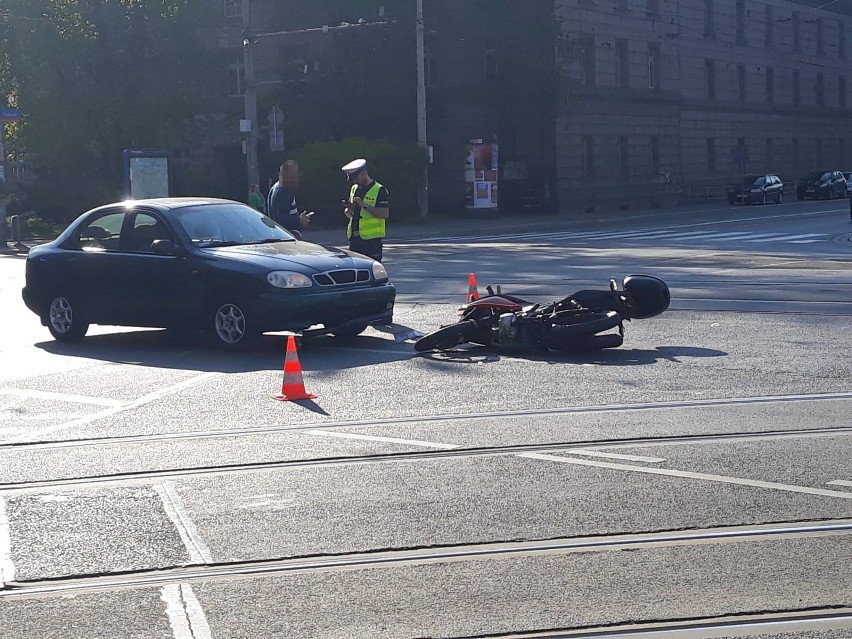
<point x="232" y="327"/>
<point x="65" y="322"/>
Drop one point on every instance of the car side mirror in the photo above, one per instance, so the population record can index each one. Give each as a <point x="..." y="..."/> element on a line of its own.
<point x="166" y="247"/>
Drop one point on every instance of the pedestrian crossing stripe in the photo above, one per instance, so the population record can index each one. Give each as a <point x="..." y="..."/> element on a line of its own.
<point x="593" y="236"/>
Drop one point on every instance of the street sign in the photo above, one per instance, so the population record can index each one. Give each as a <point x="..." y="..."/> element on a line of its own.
<point x="9" y="115"/>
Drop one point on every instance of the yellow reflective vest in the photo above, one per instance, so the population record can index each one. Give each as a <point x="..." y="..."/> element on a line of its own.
<point x="369" y="227"/>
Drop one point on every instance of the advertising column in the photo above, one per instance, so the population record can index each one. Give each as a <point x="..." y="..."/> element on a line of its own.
<point x="480" y="175"/>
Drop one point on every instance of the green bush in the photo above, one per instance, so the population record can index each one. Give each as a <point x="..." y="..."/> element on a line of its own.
<point x="398" y="166"/>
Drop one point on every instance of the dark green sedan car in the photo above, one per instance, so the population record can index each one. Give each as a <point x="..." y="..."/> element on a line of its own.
<point x="200" y="263"/>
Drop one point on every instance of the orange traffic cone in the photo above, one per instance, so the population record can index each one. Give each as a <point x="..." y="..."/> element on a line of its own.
<point x="294" y="386"/>
<point x="472" y="291"/>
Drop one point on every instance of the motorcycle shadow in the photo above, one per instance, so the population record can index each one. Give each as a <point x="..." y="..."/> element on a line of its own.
<point x="470" y="354"/>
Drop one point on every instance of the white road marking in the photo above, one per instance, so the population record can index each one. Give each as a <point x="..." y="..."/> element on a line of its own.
<point x="600" y="453"/>
<point x="788" y="238"/>
<point x="7" y="568"/>
<point x="62" y="397"/>
<point x="198" y="551"/>
<point x="724" y="479"/>
<point x="840" y="482"/>
<point x="185" y="614"/>
<point x="378" y="438"/>
<point x="145" y="399"/>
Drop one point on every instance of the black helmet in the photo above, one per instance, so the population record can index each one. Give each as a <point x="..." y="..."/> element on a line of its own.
<point x="649" y="296"/>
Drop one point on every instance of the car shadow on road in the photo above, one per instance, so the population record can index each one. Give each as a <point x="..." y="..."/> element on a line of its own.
<point x="161" y="349"/>
<point x="606" y="357"/>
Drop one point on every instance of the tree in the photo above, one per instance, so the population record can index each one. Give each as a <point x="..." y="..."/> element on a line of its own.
<point x="93" y="77"/>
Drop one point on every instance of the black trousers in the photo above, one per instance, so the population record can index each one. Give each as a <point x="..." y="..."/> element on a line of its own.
<point x="370" y="248"/>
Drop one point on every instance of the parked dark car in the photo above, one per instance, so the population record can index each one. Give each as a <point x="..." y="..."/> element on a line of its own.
<point x="756" y="189"/>
<point x="200" y="263"/>
<point x="821" y="184"/>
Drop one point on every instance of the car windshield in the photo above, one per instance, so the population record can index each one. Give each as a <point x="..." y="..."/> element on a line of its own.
<point x="228" y="224"/>
<point x="826" y="176"/>
<point x="759" y="181"/>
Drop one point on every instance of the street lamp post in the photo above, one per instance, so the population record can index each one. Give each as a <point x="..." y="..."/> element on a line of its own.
<point x="250" y="100"/>
<point x="423" y="195"/>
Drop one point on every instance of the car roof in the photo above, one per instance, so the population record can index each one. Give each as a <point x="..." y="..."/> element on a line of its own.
<point x="167" y="204"/>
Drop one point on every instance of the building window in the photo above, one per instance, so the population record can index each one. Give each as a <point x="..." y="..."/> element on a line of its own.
<point x="820" y="44"/>
<point x="653" y="66"/>
<point x="709" y="20"/>
<point x="236" y="77"/>
<point x="795" y="154"/>
<point x="769" y="153"/>
<point x="710" y="79"/>
<point x="741" y="16"/>
<point x="796" y="44"/>
<point x="588" y="156"/>
<point x="623" y="157"/>
<point x="841" y="40"/>
<point x="819" y="89"/>
<point x="797" y="89"/>
<point x="489" y="62"/>
<point x="741" y="82"/>
<point x="652" y="7"/>
<point x="655" y="155"/>
<point x="622" y="64"/>
<point x="769" y="17"/>
<point x="841" y="91"/>
<point x="589" y="60"/>
<point x="233" y="8"/>
<point x="741" y="155"/>
<point x="819" y="151"/>
<point x="770" y="85"/>
<point x="711" y="155"/>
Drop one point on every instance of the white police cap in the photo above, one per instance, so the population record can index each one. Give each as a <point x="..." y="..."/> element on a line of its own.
<point x="354" y="166"/>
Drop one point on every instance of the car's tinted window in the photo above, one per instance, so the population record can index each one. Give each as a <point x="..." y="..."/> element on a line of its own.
<point x="215" y="224"/>
<point x="139" y="236"/>
<point x="99" y="234"/>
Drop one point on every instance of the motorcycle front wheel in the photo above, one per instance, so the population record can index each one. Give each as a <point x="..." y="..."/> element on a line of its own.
<point x="447" y="336"/>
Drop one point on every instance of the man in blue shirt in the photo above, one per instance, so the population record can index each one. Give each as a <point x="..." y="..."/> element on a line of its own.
<point x="281" y="205"/>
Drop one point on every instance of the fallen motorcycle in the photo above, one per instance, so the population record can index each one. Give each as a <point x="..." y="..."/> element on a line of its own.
<point x="576" y="323"/>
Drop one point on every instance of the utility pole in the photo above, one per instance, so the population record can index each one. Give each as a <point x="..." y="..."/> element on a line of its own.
<point x="423" y="195"/>
<point x="250" y="124"/>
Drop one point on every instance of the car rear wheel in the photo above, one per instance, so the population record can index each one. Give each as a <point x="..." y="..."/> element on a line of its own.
<point x="349" y="330"/>
<point x="64" y="322"/>
<point x="232" y="327"/>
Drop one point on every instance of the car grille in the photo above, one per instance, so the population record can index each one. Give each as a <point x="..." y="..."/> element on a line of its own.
<point x="342" y="277"/>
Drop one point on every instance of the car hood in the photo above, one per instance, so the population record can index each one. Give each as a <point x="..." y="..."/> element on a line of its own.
<point x="288" y="255"/>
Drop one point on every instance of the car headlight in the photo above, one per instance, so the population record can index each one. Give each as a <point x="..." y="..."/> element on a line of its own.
<point x="379" y="272"/>
<point x="288" y="279"/>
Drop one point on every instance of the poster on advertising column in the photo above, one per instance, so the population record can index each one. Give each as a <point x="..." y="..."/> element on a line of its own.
<point x="480" y="175"/>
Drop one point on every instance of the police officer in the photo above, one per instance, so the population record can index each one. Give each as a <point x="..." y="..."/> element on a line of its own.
<point x="367" y="208"/>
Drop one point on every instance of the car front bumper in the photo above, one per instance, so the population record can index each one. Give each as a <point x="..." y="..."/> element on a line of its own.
<point x="291" y="311"/>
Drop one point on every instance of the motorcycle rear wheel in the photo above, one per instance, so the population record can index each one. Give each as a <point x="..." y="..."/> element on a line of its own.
<point x="586" y="343"/>
<point x="447" y="336"/>
<point x="588" y="325"/>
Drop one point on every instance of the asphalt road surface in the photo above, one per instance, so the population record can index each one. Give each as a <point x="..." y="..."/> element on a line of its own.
<point x="696" y="482"/>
